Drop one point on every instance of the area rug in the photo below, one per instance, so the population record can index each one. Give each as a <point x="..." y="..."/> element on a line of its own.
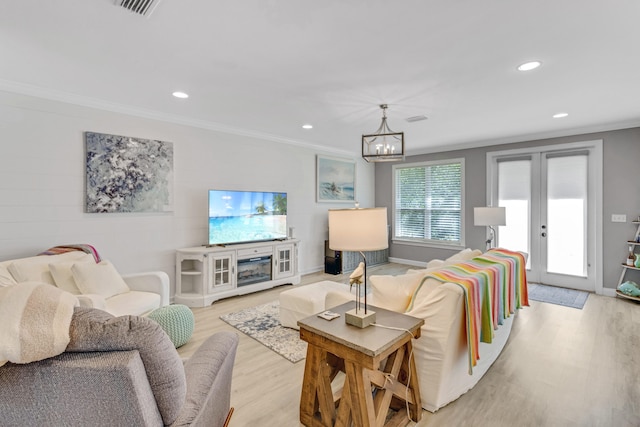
<point x="262" y="323"/>
<point x="559" y="296"/>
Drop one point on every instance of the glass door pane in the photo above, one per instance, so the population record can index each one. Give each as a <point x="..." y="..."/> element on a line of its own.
<point x="514" y="194"/>
<point x="565" y="228"/>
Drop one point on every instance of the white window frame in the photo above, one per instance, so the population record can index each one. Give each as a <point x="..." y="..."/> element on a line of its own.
<point x="429" y="242"/>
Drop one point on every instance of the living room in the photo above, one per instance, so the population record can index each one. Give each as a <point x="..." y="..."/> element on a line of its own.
<point x="44" y="167"/>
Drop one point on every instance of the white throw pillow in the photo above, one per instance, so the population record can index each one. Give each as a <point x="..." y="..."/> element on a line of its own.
<point x="63" y="277"/>
<point x="422" y="291"/>
<point x="464" y="255"/>
<point x="6" y="278"/>
<point x="36" y="268"/>
<point x="394" y="292"/>
<point x="102" y="279"/>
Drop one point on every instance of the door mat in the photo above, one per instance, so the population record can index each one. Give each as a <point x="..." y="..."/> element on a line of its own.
<point x="262" y="323"/>
<point x="559" y="296"/>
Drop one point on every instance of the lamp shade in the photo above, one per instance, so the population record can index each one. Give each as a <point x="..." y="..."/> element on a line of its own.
<point x="489" y="216"/>
<point x="358" y="230"/>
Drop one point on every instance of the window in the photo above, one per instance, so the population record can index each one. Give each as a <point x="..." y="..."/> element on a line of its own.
<point x="428" y="202"/>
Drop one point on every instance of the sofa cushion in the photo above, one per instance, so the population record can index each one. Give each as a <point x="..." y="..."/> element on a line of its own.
<point x="132" y="302"/>
<point x="394" y="292"/>
<point x="97" y="330"/>
<point x="102" y="279"/>
<point x="36" y="268"/>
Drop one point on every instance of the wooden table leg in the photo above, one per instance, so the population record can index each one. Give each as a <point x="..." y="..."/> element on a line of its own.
<point x="360" y="397"/>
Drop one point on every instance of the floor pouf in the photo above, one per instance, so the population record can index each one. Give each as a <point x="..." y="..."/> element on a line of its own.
<point x="177" y="321"/>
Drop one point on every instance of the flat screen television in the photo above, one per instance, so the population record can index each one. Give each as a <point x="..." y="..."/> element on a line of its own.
<point x="246" y="216"/>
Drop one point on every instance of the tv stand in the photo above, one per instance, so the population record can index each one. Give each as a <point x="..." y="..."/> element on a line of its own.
<point x="205" y="274"/>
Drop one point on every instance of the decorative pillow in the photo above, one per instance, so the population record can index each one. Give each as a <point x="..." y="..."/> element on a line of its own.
<point x="424" y="288"/>
<point x="435" y="263"/>
<point x="36" y="268"/>
<point x="96" y="330"/>
<point x="102" y="279"/>
<point x="393" y="292"/>
<point x="6" y="279"/>
<point x="465" y="255"/>
<point x="63" y="277"/>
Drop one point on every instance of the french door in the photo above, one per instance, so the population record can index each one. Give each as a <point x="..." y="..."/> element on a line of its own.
<point x="551" y="196"/>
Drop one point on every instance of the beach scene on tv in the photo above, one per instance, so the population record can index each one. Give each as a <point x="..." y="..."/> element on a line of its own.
<point x="246" y="216"/>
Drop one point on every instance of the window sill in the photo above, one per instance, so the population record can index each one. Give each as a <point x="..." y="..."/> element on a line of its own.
<point x="452" y="246"/>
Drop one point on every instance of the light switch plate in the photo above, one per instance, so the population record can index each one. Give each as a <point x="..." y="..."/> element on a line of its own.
<point x="618" y="218"/>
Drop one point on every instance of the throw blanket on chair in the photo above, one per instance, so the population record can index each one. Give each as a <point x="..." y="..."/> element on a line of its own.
<point x="34" y="322"/>
<point x="494" y="284"/>
<point x="68" y="248"/>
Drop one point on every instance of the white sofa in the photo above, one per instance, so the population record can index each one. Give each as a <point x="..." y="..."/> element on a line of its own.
<point x="97" y="285"/>
<point x="441" y="353"/>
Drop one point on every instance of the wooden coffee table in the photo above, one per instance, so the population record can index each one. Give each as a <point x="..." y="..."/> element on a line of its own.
<point x="378" y="371"/>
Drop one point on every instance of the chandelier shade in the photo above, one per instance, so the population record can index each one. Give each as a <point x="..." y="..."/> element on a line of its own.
<point x="384" y="145"/>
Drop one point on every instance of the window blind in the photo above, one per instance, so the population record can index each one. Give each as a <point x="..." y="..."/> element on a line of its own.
<point x="428" y="202"/>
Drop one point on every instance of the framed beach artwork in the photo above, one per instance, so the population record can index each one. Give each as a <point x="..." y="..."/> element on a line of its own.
<point x="125" y="174"/>
<point x="335" y="180"/>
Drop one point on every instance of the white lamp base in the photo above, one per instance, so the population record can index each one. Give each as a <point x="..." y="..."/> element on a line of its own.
<point x="357" y="318"/>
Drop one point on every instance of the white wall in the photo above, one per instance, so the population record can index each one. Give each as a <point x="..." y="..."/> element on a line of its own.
<point x="42" y="174"/>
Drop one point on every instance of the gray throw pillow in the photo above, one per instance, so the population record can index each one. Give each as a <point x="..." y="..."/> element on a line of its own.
<point x="96" y="330"/>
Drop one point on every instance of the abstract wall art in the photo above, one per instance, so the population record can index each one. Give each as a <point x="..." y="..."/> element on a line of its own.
<point x="127" y="174"/>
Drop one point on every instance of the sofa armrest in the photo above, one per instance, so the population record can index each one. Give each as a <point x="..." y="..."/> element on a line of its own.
<point x="52" y="391"/>
<point x="209" y="372"/>
<point x="92" y="301"/>
<point x="152" y="281"/>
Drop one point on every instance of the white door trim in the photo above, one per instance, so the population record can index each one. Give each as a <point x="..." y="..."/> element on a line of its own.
<point x="596" y="177"/>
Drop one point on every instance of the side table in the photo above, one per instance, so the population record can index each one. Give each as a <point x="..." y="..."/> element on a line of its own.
<point x="379" y="371"/>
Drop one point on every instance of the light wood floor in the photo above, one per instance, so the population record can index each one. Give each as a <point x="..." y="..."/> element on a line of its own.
<point x="560" y="367"/>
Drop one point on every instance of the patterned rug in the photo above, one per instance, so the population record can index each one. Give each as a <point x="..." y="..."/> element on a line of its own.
<point x="262" y="323"/>
<point x="559" y="296"/>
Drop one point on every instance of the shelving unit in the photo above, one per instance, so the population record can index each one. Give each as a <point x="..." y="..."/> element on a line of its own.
<point x="625" y="268"/>
<point x="205" y="274"/>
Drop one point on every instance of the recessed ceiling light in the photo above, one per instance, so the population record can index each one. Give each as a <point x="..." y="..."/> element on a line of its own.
<point x="307" y="126"/>
<point x="528" y="66"/>
<point x="181" y="95"/>
<point x="560" y="115"/>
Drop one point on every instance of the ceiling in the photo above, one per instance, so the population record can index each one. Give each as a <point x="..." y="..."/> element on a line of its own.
<point x="265" y="67"/>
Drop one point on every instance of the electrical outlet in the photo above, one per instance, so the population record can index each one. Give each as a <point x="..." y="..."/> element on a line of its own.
<point x="618" y="218"/>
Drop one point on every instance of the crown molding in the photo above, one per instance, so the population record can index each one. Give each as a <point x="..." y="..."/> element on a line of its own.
<point x="607" y="127"/>
<point x="100" y="104"/>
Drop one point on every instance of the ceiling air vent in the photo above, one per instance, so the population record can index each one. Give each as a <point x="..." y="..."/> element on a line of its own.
<point x="416" y="118"/>
<point x="141" y="7"/>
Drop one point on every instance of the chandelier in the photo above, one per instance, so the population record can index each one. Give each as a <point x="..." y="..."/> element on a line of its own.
<point x="384" y="145"/>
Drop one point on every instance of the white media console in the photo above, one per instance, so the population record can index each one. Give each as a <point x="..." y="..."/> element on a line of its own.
<point x="205" y="274"/>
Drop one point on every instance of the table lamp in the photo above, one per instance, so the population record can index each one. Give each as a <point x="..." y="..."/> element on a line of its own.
<point x="489" y="217"/>
<point x="359" y="230"/>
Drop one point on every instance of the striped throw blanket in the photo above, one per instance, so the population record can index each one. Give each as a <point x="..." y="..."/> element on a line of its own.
<point x="56" y="250"/>
<point x="34" y="322"/>
<point x="494" y="285"/>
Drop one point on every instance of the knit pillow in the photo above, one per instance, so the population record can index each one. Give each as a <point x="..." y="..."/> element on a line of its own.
<point x="96" y="330"/>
